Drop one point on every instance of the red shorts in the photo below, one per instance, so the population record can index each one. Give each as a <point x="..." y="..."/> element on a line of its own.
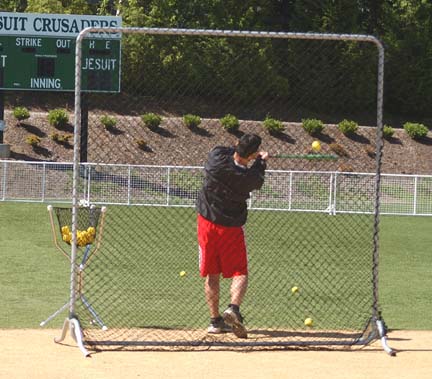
<point x="222" y="249"/>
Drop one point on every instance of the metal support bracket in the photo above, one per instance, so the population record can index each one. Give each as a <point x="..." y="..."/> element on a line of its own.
<point x="383" y="337"/>
<point x="75" y="331"/>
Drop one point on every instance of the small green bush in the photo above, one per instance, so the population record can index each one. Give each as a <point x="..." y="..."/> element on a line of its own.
<point x="415" y="130"/>
<point x="33" y="140"/>
<point x="55" y="137"/>
<point x="191" y="120"/>
<point x="21" y="113"/>
<point x="58" y="117"/>
<point x="348" y="127"/>
<point x="272" y="125"/>
<point x="151" y="120"/>
<point x="230" y="122"/>
<point x="108" y="122"/>
<point x="388" y="131"/>
<point x="312" y="126"/>
<point x="61" y="138"/>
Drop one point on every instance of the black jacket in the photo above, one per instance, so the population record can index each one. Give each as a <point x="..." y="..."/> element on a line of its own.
<point x="222" y="199"/>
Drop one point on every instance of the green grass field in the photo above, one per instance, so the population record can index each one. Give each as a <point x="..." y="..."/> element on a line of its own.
<point x="35" y="276"/>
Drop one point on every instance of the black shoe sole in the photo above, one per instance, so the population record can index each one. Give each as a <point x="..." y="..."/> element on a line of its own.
<point x="237" y="327"/>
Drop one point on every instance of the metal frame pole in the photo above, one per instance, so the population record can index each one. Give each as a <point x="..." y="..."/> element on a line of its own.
<point x="250" y="34"/>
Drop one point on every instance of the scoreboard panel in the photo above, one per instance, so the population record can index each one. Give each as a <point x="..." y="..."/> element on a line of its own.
<point x="46" y="62"/>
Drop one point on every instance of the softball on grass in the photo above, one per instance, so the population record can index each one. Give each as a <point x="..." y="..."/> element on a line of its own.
<point x="308" y="322"/>
<point x="294" y="289"/>
<point x="182" y="273"/>
<point x="316" y="146"/>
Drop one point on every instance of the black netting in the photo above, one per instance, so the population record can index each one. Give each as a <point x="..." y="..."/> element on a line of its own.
<point x="146" y="287"/>
<point x="310" y="230"/>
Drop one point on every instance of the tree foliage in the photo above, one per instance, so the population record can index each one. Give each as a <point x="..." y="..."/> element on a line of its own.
<point x="404" y="26"/>
<point x="59" y="6"/>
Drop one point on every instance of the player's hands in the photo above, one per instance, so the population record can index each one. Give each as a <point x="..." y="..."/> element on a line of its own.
<point x="264" y="155"/>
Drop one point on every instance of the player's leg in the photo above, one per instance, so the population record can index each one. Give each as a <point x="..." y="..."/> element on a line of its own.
<point x="212" y="285"/>
<point x="239" y="286"/>
<point x="210" y="269"/>
<point x="212" y="288"/>
<point x="232" y="315"/>
<point x="235" y="265"/>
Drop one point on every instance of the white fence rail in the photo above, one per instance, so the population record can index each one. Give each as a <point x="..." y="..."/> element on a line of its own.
<point x="306" y="191"/>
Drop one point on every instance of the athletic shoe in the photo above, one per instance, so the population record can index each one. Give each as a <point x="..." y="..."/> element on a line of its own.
<point x="218" y="326"/>
<point x="234" y="319"/>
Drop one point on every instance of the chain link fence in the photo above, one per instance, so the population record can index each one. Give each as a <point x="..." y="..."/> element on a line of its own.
<point x="308" y="191"/>
<point x="313" y="273"/>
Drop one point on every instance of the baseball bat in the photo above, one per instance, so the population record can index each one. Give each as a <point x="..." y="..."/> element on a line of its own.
<point x="305" y="156"/>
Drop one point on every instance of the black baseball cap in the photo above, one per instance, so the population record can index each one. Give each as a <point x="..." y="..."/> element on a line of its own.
<point x="248" y="144"/>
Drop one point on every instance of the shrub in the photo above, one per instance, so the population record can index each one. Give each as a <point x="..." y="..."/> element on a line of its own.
<point x="370" y="151"/>
<point x="191" y="120"/>
<point x="21" y="113"/>
<point x="388" y="131"/>
<point x="141" y="143"/>
<point x="58" y="117"/>
<point x="61" y="138"/>
<point x="338" y="149"/>
<point x="415" y="131"/>
<point x="230" y="122"/>
<point x="55" y="137"/>
<point x="272" y="125"/>
<point x="108" y="122"/>
<point x="312" y="125"/>
<point x="33" y="140"/>
<point x="151" y="120"/>
<point x="348" y="127"/>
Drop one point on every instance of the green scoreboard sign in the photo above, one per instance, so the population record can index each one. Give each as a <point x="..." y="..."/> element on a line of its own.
<point x="37" y="52"/>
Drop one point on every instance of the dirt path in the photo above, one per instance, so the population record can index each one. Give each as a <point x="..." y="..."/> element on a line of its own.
<point x="33" y="354"/>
